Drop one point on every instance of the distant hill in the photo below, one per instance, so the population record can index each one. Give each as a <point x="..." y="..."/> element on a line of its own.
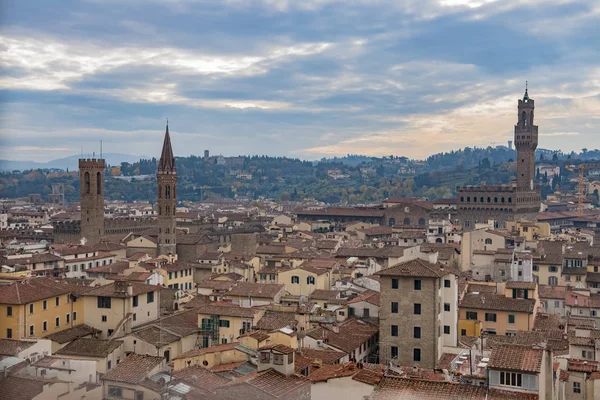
<point x="66" y="163"/>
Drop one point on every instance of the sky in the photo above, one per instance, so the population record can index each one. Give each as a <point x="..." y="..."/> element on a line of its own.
<point x="297" y="78"/>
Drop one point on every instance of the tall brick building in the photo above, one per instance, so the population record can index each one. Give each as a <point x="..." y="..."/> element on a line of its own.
<point x="478" y="204"/>
<point x="418" y="313"/>
<point x="91" y="180"/>
<point x="167" y="199"/>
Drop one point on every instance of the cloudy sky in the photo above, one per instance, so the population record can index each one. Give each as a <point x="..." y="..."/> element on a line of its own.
<point x="302" y="78"/>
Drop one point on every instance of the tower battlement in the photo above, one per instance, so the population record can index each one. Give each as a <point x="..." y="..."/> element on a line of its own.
<point x="92" y="163"/>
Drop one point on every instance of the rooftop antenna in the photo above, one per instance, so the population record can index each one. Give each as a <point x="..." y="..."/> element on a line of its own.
<point x="101" y="149"/>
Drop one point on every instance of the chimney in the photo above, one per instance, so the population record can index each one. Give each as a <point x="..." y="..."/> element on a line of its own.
<point x="335" y="327"/>
<point x="129" y="289"/>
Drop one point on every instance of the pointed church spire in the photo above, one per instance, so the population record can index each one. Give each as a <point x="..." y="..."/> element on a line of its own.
<point x="526" y="96"/>
<point x="167" y="161"/>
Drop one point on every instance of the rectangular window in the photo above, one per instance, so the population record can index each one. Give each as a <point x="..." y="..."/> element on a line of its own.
<point x="446" y="330"/>
<point x="45" y="326"/>
<point x="150" y="298"/>
<point x="68" y="318"/>
<point x="9" y="311"/>
<point x="576" y="387"/>
<point x="446" y="306"/>
<point x="511" y="379"/>
<point x="447" y="283"/>
<point x="104" y="318"/>
<point x="416" y="354"/>
<point x="31" y="309"/>
<point x="394" y="351"/>
<point x="490" y="317"/>
<point x="472" y="315"/>
<point x="417" y="309"/>
<point x="135" y="301"/>
<point x="417" y="332"/>
<point x="104" y="302"/>
<point x="110" y="332"/>
<point x="57" y="301"/>
<point x="394" y="330"/>
<point x="75" y="316"/>
<point x="394" y="307"/>
<point x="57" y="322"/>
<point x="223" y="323"/>
<point x="114" y="391"/>
<point x="8" y="333"/>
<point x="394" y="283"/>
<point x="45" y="305"/>
<point x="170" y="275"/>
<point x="417" y="284"/>
<point x="511" y="318"/>
<point x="277" y="359"/>
<point x="31" y="330"/>
<point x="463" y="332"/>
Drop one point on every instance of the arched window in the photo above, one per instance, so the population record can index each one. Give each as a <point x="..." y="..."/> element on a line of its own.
<point x="489" y="199"/>
<point x="421" y="221"/>
<point x="99" y="183"/>
<point x="438" y="240"/>
<point x="160" y="191"/>
<point x="310" y="280"/>
<point x="502" y="200"/>
<point x="295" y="279"/>
<point x="406" y="221"/>
<point x="495" y="199"/>
<point x="168" y="210"/>
<point x="468" y="199"/>
<point x="552" y="280"/>
<point x="168" y="192"/>
<point x="392" y="222"/>
<point x="524" y="118"/>
<point x="86" y="180"/>
<point x="481" y="199"/>
<point x="488" y="241"/>
<point x="510" y="199"/>
<point x="474" y="199"/>
<point x="462" y="199"/>
<point x="167" y="230"/>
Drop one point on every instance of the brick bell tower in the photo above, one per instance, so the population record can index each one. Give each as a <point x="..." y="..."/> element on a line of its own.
<point x="167" y="199"/>
<point x="91" y="194"/>
<point x="526" y="141"/>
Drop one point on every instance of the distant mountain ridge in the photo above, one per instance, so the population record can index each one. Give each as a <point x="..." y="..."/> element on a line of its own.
<point x="70" y="163"/>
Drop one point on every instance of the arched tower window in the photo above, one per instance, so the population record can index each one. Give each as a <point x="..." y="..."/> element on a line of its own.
<point x="524" y="118"/>
<point x="99" y="183"/>
<point x="406" y="221"/>
<point x="86" y="179"/>
<point x="168" y="192"/>
<point x="392" y="222"/>
<point x="422" y="221"/>
<point x="168" y="210"/>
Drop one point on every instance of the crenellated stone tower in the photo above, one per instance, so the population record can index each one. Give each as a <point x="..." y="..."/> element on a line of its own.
<point x="91" y="180"/>
<point x="167" y="199"/>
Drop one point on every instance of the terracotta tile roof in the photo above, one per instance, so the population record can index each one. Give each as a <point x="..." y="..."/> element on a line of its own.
<point x="485" y="301"/>
<point x="227" y="310"/>
<point x="227" y="367"/>
<point x="369" y="296"/>
<point x="417" y="268"/>
<point x="88" y="347"/>
<point x="280" y="348"/>
<point x="326" y="356"/>
<point x="393" y="388"/>
<point x="21" y="387"/>
<point x="277" y="385"/>
<point x="582" y="365"/>
<point x="344" y="211"/>
<point x="521" y="285"/>
<point x="352" y="334"/>
<point x="479" y="288"/>
<point x="564" y="375"/>
<point x="30" y="290"/>
<point x="273" y="320"/>
<point x="198" y="301"/>
<point x="326" y="372"/>
<point x="76" y="332"/>
<point x="552" y="292"/>
<point x="208" y="350"/>
<point x="445" y="360"/>
<point x="321" y="294"/>
<point x="114" y="268"/>
<point x="313" y="270"/>
<point x="11" y="347"/>
<point x="134" y="369"/>
<point x="257" y="290"/>
<point x="573" y="322"/>
<point x="516" y="358"/>
<point x="368" y="376"/>
<point x="216" y="285"/>
<point x="546" y="322"/>
<point x="112" y="290"/>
